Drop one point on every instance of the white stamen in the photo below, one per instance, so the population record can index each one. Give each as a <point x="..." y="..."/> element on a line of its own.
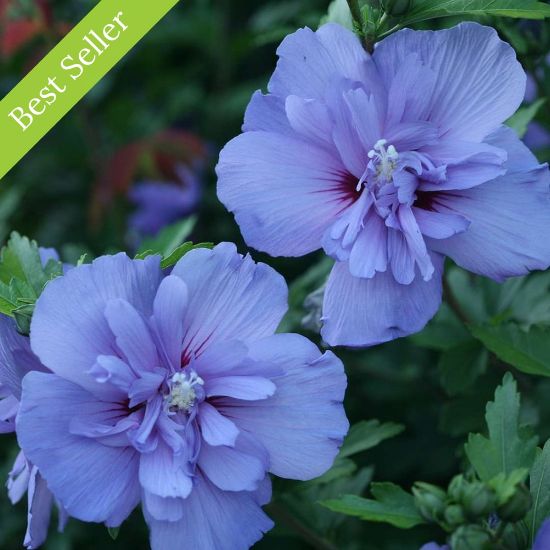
<point x="385" y="158"/>
<point x="182" y="391"/>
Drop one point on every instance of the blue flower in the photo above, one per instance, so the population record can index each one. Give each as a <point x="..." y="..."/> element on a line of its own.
<point x="160" y="203"/>
<point x="16" y="360"/>
<point x="389" y="163"/>
<point x="537" y="136"/>
<point x="175" y="392"/>
<point x="542" y="540"/>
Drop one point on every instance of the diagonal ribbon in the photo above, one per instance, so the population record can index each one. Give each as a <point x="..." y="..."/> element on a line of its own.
<point x="70" y="70"/>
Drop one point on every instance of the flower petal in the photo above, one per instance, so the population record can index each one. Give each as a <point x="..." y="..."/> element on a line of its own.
<point x="542" y="540"/>
<point x="439" y="226"/>
<point x="212" y="518"/>
<point x="39" y="510"/>
<point x="309" y="61"/>
<point x="239" y="468"/>
<point x="479" y="83"/>
<point x="230" y="296"/>
<point x="509" y="217"/>
<point x="132" y="335"/>
<point x="311" y="119"/>
<point x="216" y="429"/>
<point x="284" y="191"/>
<point x="112" y="369"/>
<point x="162" y="475"/>
<point x="266" y="112"/>
<point x="16" y="357"/>
<point x="94" y="482"/>
<point x="364" y="312"/>
<point x="69" y="342"/>
<point x="370" y="251"/>
<point x="249" y="388"/>
<point x="169" y="310"/>
<point x="18" y="478"/>
<point x="415" y="242"/>
<point x="302" y="425"/>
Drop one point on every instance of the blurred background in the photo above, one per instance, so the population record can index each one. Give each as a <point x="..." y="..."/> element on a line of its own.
<point x="137" y="154"/>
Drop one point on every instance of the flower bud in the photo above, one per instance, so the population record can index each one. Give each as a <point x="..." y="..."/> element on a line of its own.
<point x="468" y="537"/>
<point x="430" y="500"/>
<point x="454" y="515"/>
<point x="517" y="506"/>
<point x="457" y="488"/>
<point x="397" y="7"/>
<point x="478" y="500"/>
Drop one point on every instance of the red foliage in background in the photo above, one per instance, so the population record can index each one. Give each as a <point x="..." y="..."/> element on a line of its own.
<point x="155" y="157"/>
<point x="18" y="32"/>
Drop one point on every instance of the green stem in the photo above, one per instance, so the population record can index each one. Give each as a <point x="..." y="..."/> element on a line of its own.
<point x="282" y="515"/>
<point x="357" y="17"/>
<point x="391" y="31"/>
<point x="453" y="303"/>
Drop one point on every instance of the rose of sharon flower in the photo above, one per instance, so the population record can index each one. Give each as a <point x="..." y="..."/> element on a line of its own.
<point x="176" y="393"/>
<point x="159" y="203"/>
<point x="537" y="136"/>
<point x="16" y="360"/>
<point x="542" y="538"/>
<point x="389" y="162"/>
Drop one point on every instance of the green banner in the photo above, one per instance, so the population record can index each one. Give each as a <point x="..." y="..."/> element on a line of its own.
<point x="70" y="70"/>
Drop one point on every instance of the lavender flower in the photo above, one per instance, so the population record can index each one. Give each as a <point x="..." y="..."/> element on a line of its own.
<point x="161" y="203"/>
<point x="16" y="360"/>
<point x="389" y="163"/>
<point x="174" y="392"/>
<point x="537" y="136"/>
<point x="542" y="539"/>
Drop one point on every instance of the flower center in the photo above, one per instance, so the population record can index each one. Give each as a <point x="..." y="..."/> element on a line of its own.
<point x="382" y="163"/>
<point x="184" y="388"/>
<point x="384" y="160"/>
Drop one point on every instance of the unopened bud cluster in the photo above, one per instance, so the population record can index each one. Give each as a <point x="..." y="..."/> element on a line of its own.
<point x="471" y="510"/>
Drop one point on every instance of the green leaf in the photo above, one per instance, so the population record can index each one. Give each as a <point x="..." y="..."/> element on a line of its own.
<point x="368" y="434"/>
<point x="303" y="501"/>
<point x="166" y="242"/>
<point x="508" y="447"/>
<point x="113" y="532"/>
<point x="505" y="485"/>
<point x="430" y="9"/>
<point x="20" y="259"/>
<point x="528" y="351"/>
<point x="180" y="251"/>
<point x="23" y="316"/>
<point x="521" y="119"/>
<point x="393" y="505"/>
<point x="461" y="366"/>
<point x="444" y="332"/>
<point x="539" y="484"/>
<point x="8" y="299"/>
<point x="342" y="467"/>
<point x="83" y="259"/>
<point x="22" y="278"/>
<point x="142" y="255"/>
